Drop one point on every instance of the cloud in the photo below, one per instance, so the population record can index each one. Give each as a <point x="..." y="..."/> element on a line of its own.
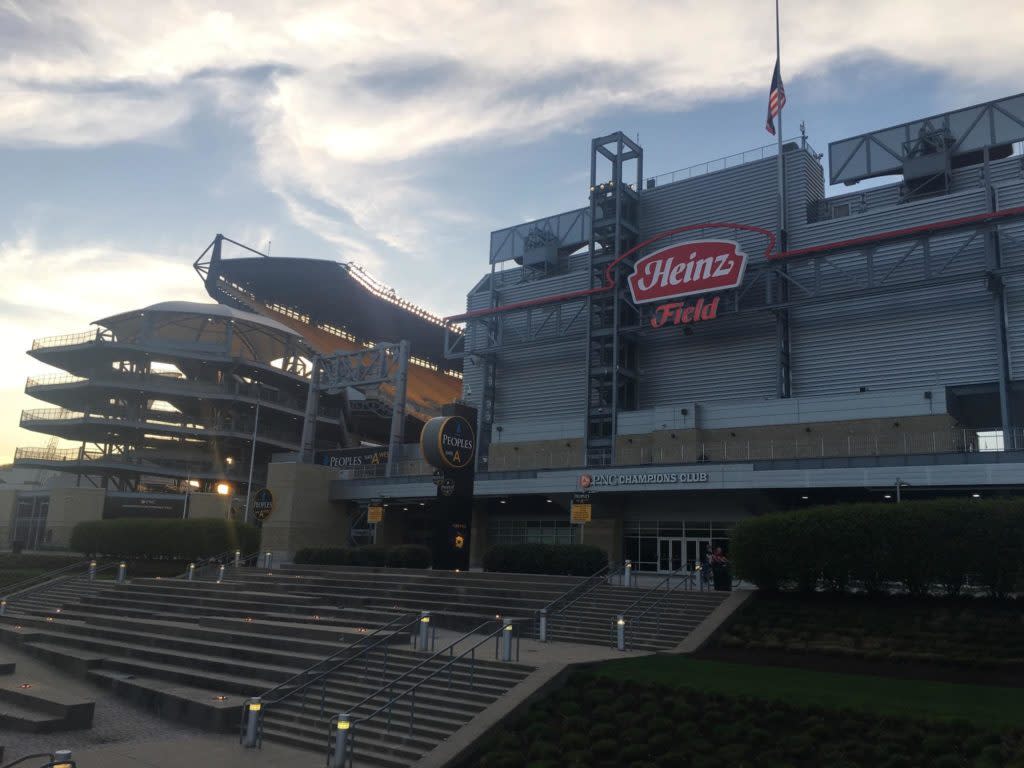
<point x="346" y="102"/>
<point x="57" y="291"/>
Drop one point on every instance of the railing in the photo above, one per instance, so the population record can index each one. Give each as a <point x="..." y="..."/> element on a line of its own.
<point x="53" y="578"/>
<point x="50" y="414"/>
<point x="895" y="443"/>
<point x="350" y="742"/>
<point x="72" y="339"/>
<point x="201" y="567"/>
<point x="308" y="678"/>
<point x="55" y="378"/>
<point x="685" y="578"/>
<point x="403" y="467"/>
<point x="721" y="163"/>
<point x="573" y="595"/>
<point x="47" y="454"/>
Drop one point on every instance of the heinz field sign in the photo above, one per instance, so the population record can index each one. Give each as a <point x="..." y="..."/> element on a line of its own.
<point x="672" y="274"/>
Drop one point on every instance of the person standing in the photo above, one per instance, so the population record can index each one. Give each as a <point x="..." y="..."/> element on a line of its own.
<point x="720" y="570"/>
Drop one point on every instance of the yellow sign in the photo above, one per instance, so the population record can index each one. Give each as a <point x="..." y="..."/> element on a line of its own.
<point x="375" y="514"/>
<point x="580" y="513"/>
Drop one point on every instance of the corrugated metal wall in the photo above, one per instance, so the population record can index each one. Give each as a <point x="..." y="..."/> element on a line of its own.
<point x="923" y="338"/>
<point x="1011" y="195"/>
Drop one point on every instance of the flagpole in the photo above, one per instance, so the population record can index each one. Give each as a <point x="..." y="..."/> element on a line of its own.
<point x="782" y="245"/>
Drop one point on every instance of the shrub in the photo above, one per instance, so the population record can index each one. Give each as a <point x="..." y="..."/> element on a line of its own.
<point x="401" y="556"/>
<point x="555" y="559"/>
<point x="920" y="544"/>
<point x="409" y="556"/>
<point x="135" y="538"/>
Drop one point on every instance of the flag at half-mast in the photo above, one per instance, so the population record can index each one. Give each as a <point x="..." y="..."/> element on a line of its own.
<point x="776" y="99"/>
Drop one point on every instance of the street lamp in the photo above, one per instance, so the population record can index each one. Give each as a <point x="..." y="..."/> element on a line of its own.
<point x="260" y="386"/>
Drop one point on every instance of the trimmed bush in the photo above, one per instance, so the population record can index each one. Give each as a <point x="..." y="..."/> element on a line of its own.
<point x="926" y="546"/>
<point x="409" y="556"/>
<point x="401" y="556"/>
<point x="553" y="559"/>
<point x="142" y="539"/>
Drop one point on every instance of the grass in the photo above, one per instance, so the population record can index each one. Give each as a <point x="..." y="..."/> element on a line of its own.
<point x="983" y="705"/>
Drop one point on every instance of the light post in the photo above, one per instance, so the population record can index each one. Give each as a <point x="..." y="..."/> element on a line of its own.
<point x="260" y="386"/>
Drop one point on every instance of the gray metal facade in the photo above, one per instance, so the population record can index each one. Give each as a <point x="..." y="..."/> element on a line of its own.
<point x="901" y="316"/>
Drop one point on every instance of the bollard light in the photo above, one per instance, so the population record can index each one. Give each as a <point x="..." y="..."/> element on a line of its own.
<point x="238" y="557"/>
<point x="506" y="643"/>
<point x="3" y="607"/>
<point x="122" y="569"/>
<point x="424" y="638"/>
<point x="620" y="633"/>
<point x="220" y="574"/>
<point x="92" y="570"/>
<point x="268" y="558"/>
<point x="253" y="710"/>
<point x="543" y="634"/>
<point x="627" y="574"/>
<point x="341" y="734"/>
<point x="61" y="759"/>
<point x="191" y="570"/>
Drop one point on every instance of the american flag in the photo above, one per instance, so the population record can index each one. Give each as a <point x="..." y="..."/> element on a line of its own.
<point x="776" y="99"/>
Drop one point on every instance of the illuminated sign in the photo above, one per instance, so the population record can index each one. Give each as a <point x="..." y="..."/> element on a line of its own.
<point x="353" y="457"/>
<point x="687" y="269"/>
<point x="448" y="442"/>
<point x="262" y="504"/>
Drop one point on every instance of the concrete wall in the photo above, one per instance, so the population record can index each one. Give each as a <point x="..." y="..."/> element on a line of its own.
<point x="209" y="505"/>
<point x="303" y="514"/>
<point x="8" y="503"/>
<point x="68" y="507"/>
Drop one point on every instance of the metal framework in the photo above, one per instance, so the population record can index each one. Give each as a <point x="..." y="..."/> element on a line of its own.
<point x="363" y="371"/>
<point x="611" y="356"/>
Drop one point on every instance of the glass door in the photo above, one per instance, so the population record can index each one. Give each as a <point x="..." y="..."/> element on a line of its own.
<point x="670" y="554"/>
<point x="696" y="553"/>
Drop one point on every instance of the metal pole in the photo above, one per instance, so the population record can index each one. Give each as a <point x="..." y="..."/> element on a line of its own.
<point x="252" y="456"/>
<point x="220" y="575"/>
<point x="398" y="408"/>
<point x="92" y="570"/>
<point x="627" y="574"/>
<point x="191" y="571"/>
<point x="543" y="625"/>
<point x="121" y="573"/>
<point x="238" y="558"/>
<point x="309" y="422"/>
<point x="3" y="607"/>
<point x="898" y="485"/>
<point x="620" y="633"/>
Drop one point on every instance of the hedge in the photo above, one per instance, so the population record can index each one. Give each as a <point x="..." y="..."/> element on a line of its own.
<point x="135" y="538"/>
<point x="401" y="556"/>
<point x="922" y="545"/>
<point x="554" y="559"/>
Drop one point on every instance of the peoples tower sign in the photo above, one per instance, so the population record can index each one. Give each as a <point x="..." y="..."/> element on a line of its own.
<point x="687" y="269"/>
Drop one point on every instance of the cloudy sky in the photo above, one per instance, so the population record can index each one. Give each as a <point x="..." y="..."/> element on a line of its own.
<point x="398" y="134"/>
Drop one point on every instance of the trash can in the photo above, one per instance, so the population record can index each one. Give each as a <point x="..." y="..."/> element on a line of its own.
<point x="723" y="581"/>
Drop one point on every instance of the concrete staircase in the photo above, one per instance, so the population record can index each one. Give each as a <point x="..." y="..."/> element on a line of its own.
<point x="39" y="708"/>
<point x="194" y="651"/>
<point x="667" y="621"/>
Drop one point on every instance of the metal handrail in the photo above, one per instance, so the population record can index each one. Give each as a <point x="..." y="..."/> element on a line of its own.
<point x="585" y="587"/>
<point x="42" y="578"/>
<point x="222" y="558"/>
<point x="687" y="578"/>
<point x="678" y="571"/>
<point x="52" y="578"/>
<point x="363" y="649"/>
<point x="389" y="704"/>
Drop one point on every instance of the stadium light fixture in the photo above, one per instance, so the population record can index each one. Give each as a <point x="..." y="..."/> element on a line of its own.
<point x="223" y="489"/>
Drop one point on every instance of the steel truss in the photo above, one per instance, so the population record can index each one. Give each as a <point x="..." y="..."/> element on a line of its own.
<point x="364" y="371"/>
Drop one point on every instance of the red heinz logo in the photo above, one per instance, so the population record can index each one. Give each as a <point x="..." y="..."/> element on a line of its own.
<point x="687" y="269"/>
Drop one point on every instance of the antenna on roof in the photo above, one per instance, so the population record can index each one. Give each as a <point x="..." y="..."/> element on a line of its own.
<point x="268" y="247"/>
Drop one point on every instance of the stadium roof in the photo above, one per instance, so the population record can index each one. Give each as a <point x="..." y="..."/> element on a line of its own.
<point x="327" y="292"/>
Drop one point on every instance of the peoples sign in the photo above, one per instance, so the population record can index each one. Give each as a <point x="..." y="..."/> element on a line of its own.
<point x="687" y="269"/>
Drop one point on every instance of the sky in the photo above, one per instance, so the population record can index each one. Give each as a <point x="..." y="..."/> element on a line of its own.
<point x="399" y="134"/>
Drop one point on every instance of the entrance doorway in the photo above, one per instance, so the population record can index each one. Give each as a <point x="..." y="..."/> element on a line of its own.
<point x="670" y="554"/>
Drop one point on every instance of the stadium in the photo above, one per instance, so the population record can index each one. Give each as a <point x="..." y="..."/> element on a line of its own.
<point x="679" y="352"/>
